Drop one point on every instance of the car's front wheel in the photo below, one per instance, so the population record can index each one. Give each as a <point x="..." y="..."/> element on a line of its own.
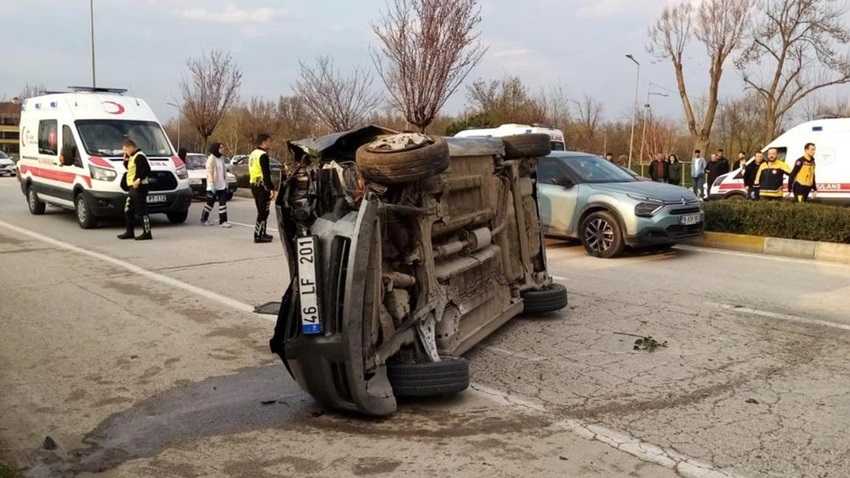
<point x="602" y="235"/>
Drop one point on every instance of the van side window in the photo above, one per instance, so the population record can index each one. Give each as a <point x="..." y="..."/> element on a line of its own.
<point x="70" y="152"/>
<point x="48" y="137"/>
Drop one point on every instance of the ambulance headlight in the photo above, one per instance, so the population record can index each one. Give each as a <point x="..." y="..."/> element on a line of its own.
<point x="102" y="174"/>
<point x="182" y="173"/>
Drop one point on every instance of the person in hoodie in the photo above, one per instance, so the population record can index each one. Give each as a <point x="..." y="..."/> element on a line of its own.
<point x="216" y="187"/>
<point x="717" y="166"/>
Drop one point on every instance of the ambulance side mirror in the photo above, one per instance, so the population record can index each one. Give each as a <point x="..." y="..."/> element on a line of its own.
<point x="68" y="156"/>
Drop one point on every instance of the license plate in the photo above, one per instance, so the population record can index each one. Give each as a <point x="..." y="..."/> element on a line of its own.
<point x="691" y="219"/>
<point x="308" y="288"/>
<point x="156" y="198"/>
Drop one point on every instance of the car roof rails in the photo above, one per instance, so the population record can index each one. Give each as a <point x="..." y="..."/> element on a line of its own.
<point x="93" y="89"/>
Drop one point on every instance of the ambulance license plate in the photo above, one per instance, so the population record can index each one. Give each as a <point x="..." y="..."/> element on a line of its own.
<point x="691" y="219"/>
<point x="308" y="288"/>
<point x="156" y="198"/>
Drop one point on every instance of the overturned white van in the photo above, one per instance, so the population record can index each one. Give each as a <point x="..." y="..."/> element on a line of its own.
<point x="832" y="138"/>
<point x="71" y="155"/>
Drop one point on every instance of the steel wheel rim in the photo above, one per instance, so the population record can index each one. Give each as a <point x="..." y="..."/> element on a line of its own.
<point x="599" y="235"/>
<point x="81" y="211"/>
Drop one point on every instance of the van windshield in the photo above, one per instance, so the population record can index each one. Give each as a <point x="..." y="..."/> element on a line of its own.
<point x="106" y="137"/>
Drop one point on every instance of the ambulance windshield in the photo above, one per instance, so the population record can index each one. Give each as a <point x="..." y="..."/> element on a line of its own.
<point x="106" y="137"/>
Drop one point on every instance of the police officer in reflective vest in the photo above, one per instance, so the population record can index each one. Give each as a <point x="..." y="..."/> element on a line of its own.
<point x="136" y="207"/>
<point x="801" y="182"/>
<point x="262" y="187"/>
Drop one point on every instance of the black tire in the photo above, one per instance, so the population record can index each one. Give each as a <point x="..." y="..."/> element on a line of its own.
<point x="532" y="145"/>
<point x="602" y="235"/>
<point x="85" y="218"/>
<point x="177" y="217"/>
<point x="551" y="299"/>
<point x="405" y="166"/>
<point x="36" y="206"/>
<point x="429" y="379"/>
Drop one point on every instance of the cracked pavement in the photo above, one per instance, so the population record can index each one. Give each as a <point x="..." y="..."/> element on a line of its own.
<point x="158" y="381"/>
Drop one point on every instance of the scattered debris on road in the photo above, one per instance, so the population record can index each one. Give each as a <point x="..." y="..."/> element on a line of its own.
<point x="752" y="400"/>
<point x="645" y="342"/>
<point x="50" y="444"/>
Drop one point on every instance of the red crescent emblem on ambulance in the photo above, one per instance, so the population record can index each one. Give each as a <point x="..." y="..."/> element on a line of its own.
<point x="113" y="108"/>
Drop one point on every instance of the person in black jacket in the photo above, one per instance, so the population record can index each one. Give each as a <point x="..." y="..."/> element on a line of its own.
<point x="716" y="167"/>
<point x="136" y="208"/>
<point x="750" y="171"/>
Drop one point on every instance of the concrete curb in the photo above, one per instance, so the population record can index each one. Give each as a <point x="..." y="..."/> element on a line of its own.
<point x="819" y="251"/>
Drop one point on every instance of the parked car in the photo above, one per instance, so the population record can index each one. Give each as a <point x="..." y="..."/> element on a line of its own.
<point x="7" y="166"/>
<point x="585" y="197"/>
<point x="239" y="167"/>
<point x="196" y="164"/>
<point x="405" y="251"/>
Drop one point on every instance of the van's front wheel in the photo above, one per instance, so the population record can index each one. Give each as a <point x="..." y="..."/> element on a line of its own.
<point x="85" y="218"/>
<point x="36" y="206"/>
<point x="178" y="217"/>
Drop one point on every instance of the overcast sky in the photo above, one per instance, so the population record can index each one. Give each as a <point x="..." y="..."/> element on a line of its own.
<point x="143" y="45"/>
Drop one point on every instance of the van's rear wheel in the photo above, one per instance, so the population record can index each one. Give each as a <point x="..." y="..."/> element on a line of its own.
<point x="85" y="218"/>
<point x="550" y="299"/>
<point x="429" y="379"/>
<point x="177" y="217"/>
<point x="36" y="206"/>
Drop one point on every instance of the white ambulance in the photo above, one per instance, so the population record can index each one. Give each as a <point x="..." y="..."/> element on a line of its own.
<point x="71" y="155"/>
<point x="831" y="136"/>
<point x="556" y="136"/>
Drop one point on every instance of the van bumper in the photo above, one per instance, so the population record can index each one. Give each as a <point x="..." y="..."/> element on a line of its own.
<point x="106" y="204"/>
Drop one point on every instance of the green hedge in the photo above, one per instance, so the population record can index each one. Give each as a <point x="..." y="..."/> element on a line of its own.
<point x="784" y="219"/>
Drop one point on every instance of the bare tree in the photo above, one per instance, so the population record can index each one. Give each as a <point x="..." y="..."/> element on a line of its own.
<point x="793" y="51"/>
<point x="340" y="102"/>
<point x="212" y="86"/>
<point x="556" y="106"/>
<point x="503" y="101"/>
<point x="741" y="124"/>
<point x="815" y="107"/>
<point x="30" y="91"/>
<point x="587" y="122"/>
<point x="428" y="47"/>
<point x="718" y="25"/>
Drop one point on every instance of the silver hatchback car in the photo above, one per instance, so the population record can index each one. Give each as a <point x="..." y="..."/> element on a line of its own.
<point x="585" y="197"/>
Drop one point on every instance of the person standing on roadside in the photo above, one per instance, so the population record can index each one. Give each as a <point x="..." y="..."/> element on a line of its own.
<point x="698" y="173"/>
<point x="610" y="157"/>
<point x="658" y="169"/>
<point x="674" y="170"/>
<point x="216" y="187"/>
<point x="136" y="207"/>
<point x="262" y="187"/>
<point x="718" y="166"/>
<point x="801" y="181"/>
<point x="770" y="177"/>
<point x="742" y="161"/>
<point x="750" y="171"/>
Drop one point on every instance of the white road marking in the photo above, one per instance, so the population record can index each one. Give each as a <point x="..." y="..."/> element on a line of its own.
<point x="753" y="255"/>
<point x="233" y="303"/>
<point x="683" y="465"/>
<point x="251" y="226"/>
<point x="779" y="316"/>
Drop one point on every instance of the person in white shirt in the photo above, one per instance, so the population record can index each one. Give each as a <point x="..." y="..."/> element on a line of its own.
<point x="698" y="166"/>
<point x="216" y="187"/>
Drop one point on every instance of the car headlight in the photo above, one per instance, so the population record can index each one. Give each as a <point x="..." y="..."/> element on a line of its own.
<point x="196" y="181"/>
<point x="182" y="173"/>
<point x="647" y="209"/>
<point x="102" y="174"/>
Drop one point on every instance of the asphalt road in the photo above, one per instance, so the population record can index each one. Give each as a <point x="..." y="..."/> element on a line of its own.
<point x="145" y="360"/>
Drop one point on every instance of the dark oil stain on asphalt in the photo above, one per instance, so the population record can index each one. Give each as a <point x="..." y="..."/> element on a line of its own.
<point x="216" y="406"/>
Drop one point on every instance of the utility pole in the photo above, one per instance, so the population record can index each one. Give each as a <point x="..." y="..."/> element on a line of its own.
<point x="93" y="74"/>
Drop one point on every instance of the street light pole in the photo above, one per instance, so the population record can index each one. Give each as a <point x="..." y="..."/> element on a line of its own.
<point x="649" y="93"/>
<point x="634" y="109"/>
<point x="93" y="76"/>
<point x="179" y="114"/>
